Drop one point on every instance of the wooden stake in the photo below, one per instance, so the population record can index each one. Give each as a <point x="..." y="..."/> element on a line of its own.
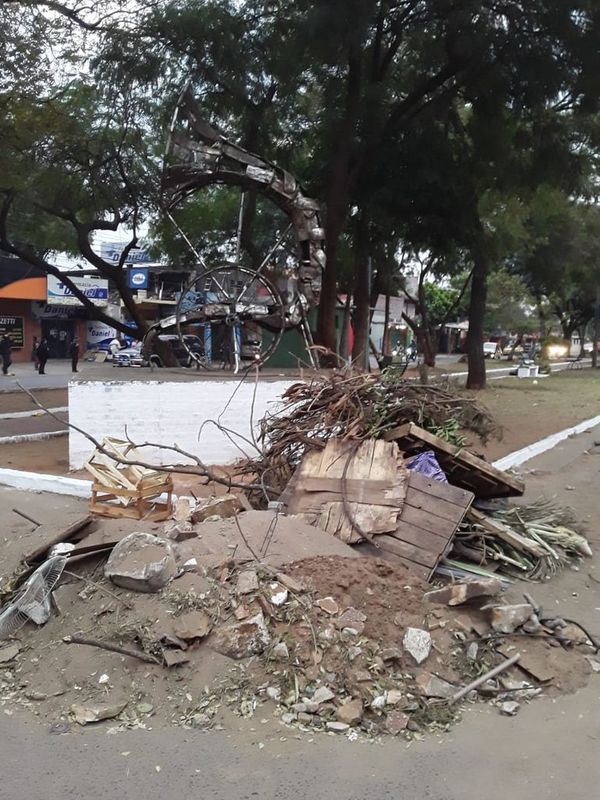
<point x="114" y="648"/>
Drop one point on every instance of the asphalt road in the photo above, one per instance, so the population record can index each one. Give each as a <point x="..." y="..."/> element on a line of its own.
<point x="548" y="751"/>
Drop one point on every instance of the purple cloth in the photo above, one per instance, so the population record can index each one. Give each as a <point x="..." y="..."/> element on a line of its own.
<point x="427" y="464"/>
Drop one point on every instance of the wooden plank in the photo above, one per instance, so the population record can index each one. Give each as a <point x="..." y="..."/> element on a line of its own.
<point x="449" y="493"/>
<point x="407" y="551"/>
<point x="411" y="534"/>
<point x="73" y="533"/>
<point x="516" y="540"/>
<point x="487" y="480"/>
<point x="424" y="520"/>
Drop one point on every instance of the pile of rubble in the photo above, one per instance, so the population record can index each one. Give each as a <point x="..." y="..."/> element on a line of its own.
<point x="319" y="609"/>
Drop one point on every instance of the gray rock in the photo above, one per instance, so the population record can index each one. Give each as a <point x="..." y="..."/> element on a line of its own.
<point x="141" y="562"/>
<point x="337" y="727"/>
<point x="247" y="582"/>
<point x="192" y="625"/>
<point x="242" y="639"/>
<point x="9" y="653"/>
<point x="352" y="618"/>
<point x="281" y="652"/>
<point x="378" y="702"/>
<point x="391" y="654"/>
<point x="322" y="695"/>
<point x="458" y="593"/>
<point x="354" y="652"/>
<point x="288" y="718"/>
<point x="274" y="693"/>
<point x="328" y="605"/>
<point x="432" y="686"/>
<point x="506" y="619"/>
<point x="181" y="531"/>
<point x="85" y="714"/>
<point x="417" y="642"/>
<point x="394" y="697"/>
<point x="221" y="507"/>
<point x="509" y="708"/>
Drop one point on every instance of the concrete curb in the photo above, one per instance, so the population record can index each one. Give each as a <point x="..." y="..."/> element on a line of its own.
<point x="32" y="437"/>
<point x="34" y="413"/>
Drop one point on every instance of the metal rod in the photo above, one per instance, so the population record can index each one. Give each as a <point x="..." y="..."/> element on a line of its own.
<point x="483" y="678"/>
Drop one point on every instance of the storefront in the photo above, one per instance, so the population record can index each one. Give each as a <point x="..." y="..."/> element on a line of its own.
<point x="20" y="284"/>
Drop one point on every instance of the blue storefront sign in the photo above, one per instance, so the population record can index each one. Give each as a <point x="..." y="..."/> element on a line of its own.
<point x="138" y="278"/>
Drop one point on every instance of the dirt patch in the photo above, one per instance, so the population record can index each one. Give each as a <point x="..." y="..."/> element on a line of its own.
<point x="48" y="456"/>
<point x="19" y="401"/>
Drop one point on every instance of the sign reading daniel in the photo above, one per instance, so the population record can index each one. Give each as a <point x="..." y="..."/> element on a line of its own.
<point x="96" y="289"/>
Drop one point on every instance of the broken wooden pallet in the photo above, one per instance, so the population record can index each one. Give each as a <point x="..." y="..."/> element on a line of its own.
<point x="431" y="513"/>
<point x="462" y="468"/>
<point x="349" y="489"/>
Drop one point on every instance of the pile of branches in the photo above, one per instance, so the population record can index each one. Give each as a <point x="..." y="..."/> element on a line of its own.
<point x="356" y="407"/>
<point x="547" y="542"/>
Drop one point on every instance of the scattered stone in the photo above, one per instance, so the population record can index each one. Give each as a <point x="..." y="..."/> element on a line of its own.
<point x="183" y="509"/>
<point x="350" y="712"/>
<point x="506" y="619"/>
<point x="247" y="582"/>
<point x="144" y="708"/>
<point x="141" y="562"/>
<point x="281" y="652"/>
<point x="391" y="654"/>
<point x="192" y="625"/>
<point x="278" y="594"/>
<point x="396" y="722"/>
<point x="352" y="618"/>
<point x="349" y="633"/>
<point x="85" y="714"/>
<point x="181" y="532"/>
<point x="322" y="695"/>
<point x="472" y="651"/>
<point x="173" y="658"/>
<point x="305" y="718"/>
<point x="457" y="593"/>
<point x="509" y="708"/>
<point x="242" y="612"/>
<point x="310" y="706"/>
<point x="417" y="642"/>
<point x="37" y="696"/>
<point x="432" y="686"/>
<point x="299" y="708"/>
<point x="242" y="639"/>
<point x="533" y="625"/>
<point x="59" y="728"/>
<point x="288" y="718"/>
<point x="274" y="693"/>
<point x="337" y="727"/>
<point x="594" y="663"/>
<point x="394" y="697"/>
<point x="574" y="634"/>
<point x="328" y="605"/>
<point x="354" y="652"/>
<point x="327" y="634"/>
<point x="362" y="676"/>
<point x="201" y="721"/>
<point x="9" y="653"/>
<point x="378" y="702"/>
<point x="290" y="583"/>
<point x="221" y="507"/>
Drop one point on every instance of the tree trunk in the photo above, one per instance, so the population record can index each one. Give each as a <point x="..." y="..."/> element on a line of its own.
<point x="361" y="318"/>
<point x="476" y="377"/>
<point x="386" y="325"/>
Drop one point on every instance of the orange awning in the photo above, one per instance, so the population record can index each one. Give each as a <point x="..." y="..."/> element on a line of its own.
<point x="26" y="289"/>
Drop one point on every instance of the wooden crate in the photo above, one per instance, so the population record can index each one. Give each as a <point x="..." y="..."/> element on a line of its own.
<point x="462" y="468"/>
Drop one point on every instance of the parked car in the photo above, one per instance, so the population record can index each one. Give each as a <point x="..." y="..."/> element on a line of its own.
<point x="491" y="350"/>
<point x="134" y="356"/>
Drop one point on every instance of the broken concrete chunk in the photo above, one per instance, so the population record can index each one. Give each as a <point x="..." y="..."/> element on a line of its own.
<point x="183" y="509"/>
<point x="281" y="652"/>
<point x="274" y="693"/>
<point x="192" y="625"/>
<point x="247" y="582"/>
<point x="506" y="619"/>
<point x="242" y="639"/>
<point x="141" y="562"/>
<point x="290" y="583"/>
<point x="509" y="708"/>
<point x="181" y="531"/>
<point x="432" y="686"/>
<point x="85" y="714"/>
<point x="173" y="658"/>
<point x="322" y="695"/>
<point x="221" y="507"/>
<point x="9" y="653"/>
<point x="391" y="654"/>
<point x="337" y="727"/>
<point x="574" y="634"/>
<point x="394" y="697"/>
<point x="350" y="712"/>
<point x="352" y="618"/>
<point x="378" y="702"/>
<point x="396" y="722"/>
<point x="328" y="605"/>
<point x="278" y="594"/>
<point x="354" y="652"/>
<point x="457" y="593"/>
<point x="417" y="642"/>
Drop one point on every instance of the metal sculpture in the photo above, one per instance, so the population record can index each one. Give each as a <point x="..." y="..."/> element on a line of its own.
<point x="229" y="296"/>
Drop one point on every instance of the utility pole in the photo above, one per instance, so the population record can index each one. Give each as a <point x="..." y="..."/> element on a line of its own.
<point x="596" y="328"/>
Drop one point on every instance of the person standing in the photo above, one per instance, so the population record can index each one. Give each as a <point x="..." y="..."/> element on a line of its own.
<point x="42" y="354"/>
<point x="114" y="347"/>
<point x="34" y="348"/>
<point x="74" y="353"/>
<point x="5" y="352"/>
